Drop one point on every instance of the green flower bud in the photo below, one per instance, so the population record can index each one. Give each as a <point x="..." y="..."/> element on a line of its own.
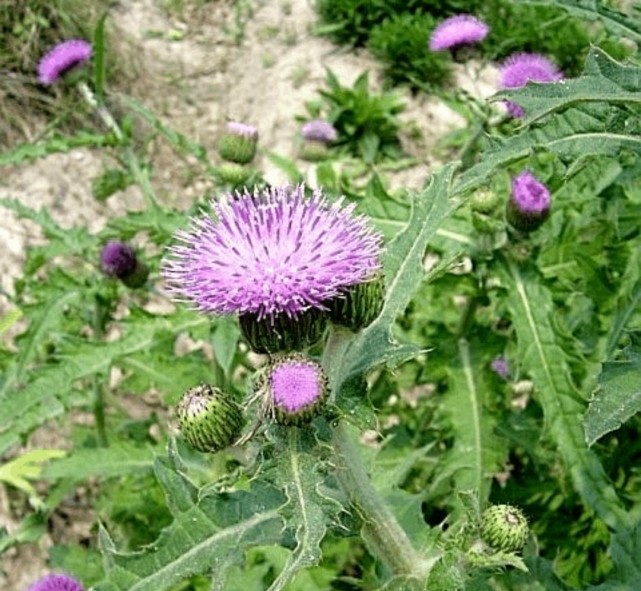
<point x="238" y="143"/>
<point x="233" y="174"/>
<point x="209" y="418"/>
<point x="280" y="332"/>
<point x="504" y="528"/>
<point x="314" y="151"/>
<point x="360" y="304"/>
<point x="297" y="388"/>
<point x="484" y="201"/>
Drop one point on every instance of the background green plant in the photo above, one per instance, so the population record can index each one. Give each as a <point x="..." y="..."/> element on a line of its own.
<point x="561" y="305"/>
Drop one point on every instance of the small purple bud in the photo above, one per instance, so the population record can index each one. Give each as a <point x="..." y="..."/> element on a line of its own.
<point x="62" y="58"/>
<point x="529" y="203"/>
<point x="298" y="388"/>
<point x="56" y="582"/>
<point x="463" y="29"/>
<point x="500" y="367"/>
<point x="119" y="260"/>
<point x="242" y="129"/>
<point x="238" y="143"/>
<point x="318" y="130"/>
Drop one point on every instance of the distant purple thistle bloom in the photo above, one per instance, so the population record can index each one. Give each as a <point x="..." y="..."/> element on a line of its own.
<point x="463" y="29"/>
<point x="318" y="130"/>
<point x="62" y="58"/>
<point x="500" y="367"/>
<point x="529" y="194"/>
<point x="56" y="582"/>
<point x="242" y="129"/>
<point x="272" y="252"/>
<point x="117" y="259"/>
<point x="521" y="68"/>
<point x="296" y="385"/>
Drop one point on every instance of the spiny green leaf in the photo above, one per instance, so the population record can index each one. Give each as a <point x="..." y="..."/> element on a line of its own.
<point x="531" y="308"/>
<point x="625" y="550"/>
<point x="306" y="511"/>
<point x="403" y="274"/>
<point x="591" y="10"/>
<point x="206" y="537"/>
<point x="20" y="409"/>
<point x="618" y="396"/>
<point x="117" y="460"/>
<point x="603" y="80"/>
<point x="477" y="451"/>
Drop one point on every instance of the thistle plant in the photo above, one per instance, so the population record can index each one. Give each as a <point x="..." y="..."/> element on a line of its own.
<point x="309" y="389"/>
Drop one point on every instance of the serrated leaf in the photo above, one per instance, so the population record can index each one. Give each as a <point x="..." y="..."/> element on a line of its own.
<point x="307" y="512"/>
<point x="403" y="274"/>
<point x="531" y="308"/>
<point x="23" y="410"/>
<point x="206" y="536"/>
<point x="26" y="467"/>
<point x="477" y="452"/>
<point x="618" y="396"/>
<point x="590" y="10"/>
<point x="117" y="460"/>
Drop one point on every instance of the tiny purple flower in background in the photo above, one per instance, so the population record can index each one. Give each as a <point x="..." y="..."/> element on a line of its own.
<point x="500" y="367"/>
<point x="56" y="582"/>
<point x="242" y="129"/>
<point x="529" y="204"/>
<point x="318" y="130"/>
<point x="62" y="58"/>
<point x="521" y="68"/>
<point x="463" y="29"/>
<point x="117" y="259"/>
<point x="272" y="252"/>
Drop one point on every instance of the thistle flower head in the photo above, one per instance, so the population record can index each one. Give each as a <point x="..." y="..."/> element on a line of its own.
<point x="242" y="129"/>
<point x="504" y="528"/>
<point x="56" y="582"/>
<point x="62" y="58"/>
<point x="117" y="259"/>
<point x="529" y="194"/>
<point x="318" y="130"/>
<point x="529" y="203"/>
<point x="521" y="68"/>
<point x="272" y="252"/>
<point x="463" y="29"/>
<point x="298" y="387"/>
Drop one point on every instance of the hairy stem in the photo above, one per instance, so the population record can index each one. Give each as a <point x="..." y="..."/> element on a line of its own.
<point x="384" y="535"/>
<point x="140" y="174"/>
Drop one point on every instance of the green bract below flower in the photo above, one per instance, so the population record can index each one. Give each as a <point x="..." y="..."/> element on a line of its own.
<point x="273" y="257"/>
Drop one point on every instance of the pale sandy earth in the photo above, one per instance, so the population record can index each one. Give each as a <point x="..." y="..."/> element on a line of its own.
<point x="196" y="84"/>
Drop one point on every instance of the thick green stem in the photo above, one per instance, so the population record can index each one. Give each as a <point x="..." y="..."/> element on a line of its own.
<point x="99" y="414"/>
<point x="382" y="532"/>
<point x="139" y="173"/>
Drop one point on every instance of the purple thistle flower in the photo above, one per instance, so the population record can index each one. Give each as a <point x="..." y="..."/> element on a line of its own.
<point x="272" y="252"/>
<point x="463" y="29"/>
<point x="318" y="130"/>
<point x="529" y="203"/>
<point x="117" y="259"/>
<point x="529" y="194"/>
<point x="521" y="68"/>
<point x="56" y="582"/>
<point x="242" y="129"/>
<point x="500" y="367"/>
<point x="62" y="58"/>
